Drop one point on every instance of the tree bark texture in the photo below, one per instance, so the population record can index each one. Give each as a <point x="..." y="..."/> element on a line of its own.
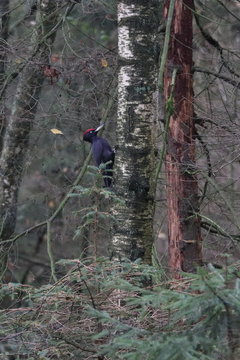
<point x="134" y="159"/>
<point x="4" y="22"/>
<point x="185" y="243"/>
<point x="4" y="25"/>
<point x="22" y="115"/>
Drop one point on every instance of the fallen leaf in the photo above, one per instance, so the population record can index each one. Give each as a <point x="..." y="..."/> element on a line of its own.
<point x="56" y="132"/>
<point x="104" y="63"/>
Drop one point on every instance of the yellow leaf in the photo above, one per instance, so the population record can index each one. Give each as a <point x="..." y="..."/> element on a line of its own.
<point x="56" y="131"/>
<point x="104" y="63"/>
<point x="51" y="204"/>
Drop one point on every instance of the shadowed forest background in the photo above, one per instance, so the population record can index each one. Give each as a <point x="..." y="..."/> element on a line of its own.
<point x="148" y="269"/>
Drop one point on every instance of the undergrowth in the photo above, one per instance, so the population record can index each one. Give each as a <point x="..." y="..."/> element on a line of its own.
<point x="103" y="310"/>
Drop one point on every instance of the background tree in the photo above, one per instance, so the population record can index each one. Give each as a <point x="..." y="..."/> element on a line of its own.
<point x="185" y="248"/>
<point x="16" y="136"/>
<point x="4" y="28"/>
<point x="218" y="125"/>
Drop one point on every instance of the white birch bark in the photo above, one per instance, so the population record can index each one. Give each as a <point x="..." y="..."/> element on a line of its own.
<point x="134" y="159"/>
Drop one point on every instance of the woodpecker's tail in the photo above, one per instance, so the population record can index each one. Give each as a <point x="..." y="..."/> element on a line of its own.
<point x="108" y="172"/>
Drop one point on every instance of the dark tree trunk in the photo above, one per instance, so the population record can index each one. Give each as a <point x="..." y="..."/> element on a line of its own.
<point x="21" y="119"/>
<point x="4" y="22"/>
<point x="4" y="25"/>
<point x="185" y="248"/>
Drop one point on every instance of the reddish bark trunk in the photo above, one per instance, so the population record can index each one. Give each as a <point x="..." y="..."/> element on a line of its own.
<point x="185" y="250"/>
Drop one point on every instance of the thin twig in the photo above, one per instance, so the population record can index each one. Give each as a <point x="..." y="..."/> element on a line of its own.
<point x="217" y="75"/>
<point x="163" y="58"/>
<point x="50" y="253"/>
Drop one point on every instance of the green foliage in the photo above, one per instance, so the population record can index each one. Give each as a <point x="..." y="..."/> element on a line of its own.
<point x="98" y="213"/>
<point x="103" y="308"/>
<point x="95" y="217"/>
<point x="202" y="322"/>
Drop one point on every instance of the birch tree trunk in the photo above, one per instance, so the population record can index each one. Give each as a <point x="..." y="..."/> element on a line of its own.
<point x="20" y="122"/>
<point x="135" y="159"/>
<point x="185" y="248"/>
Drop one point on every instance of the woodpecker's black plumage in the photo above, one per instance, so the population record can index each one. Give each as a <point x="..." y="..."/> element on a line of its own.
<point x="102" y="152"/>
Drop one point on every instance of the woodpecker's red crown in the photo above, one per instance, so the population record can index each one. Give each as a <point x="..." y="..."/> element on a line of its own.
<point x="87" y="131"/>
<point x="93" y="130"/>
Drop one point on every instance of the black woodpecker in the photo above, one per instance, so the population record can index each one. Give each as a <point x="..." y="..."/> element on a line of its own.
<point x="102" y="152"/>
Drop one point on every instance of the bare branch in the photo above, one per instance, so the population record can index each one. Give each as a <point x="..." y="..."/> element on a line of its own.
<point x="217" y="75"/>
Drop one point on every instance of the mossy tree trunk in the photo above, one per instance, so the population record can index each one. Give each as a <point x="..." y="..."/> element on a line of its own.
<point x="21" y="119"/>
<point x="137" y="23"/>
<point x="185" y="243"/>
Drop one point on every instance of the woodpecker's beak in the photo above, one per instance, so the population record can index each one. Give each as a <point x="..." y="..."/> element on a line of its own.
<point x="99" y="127"/>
